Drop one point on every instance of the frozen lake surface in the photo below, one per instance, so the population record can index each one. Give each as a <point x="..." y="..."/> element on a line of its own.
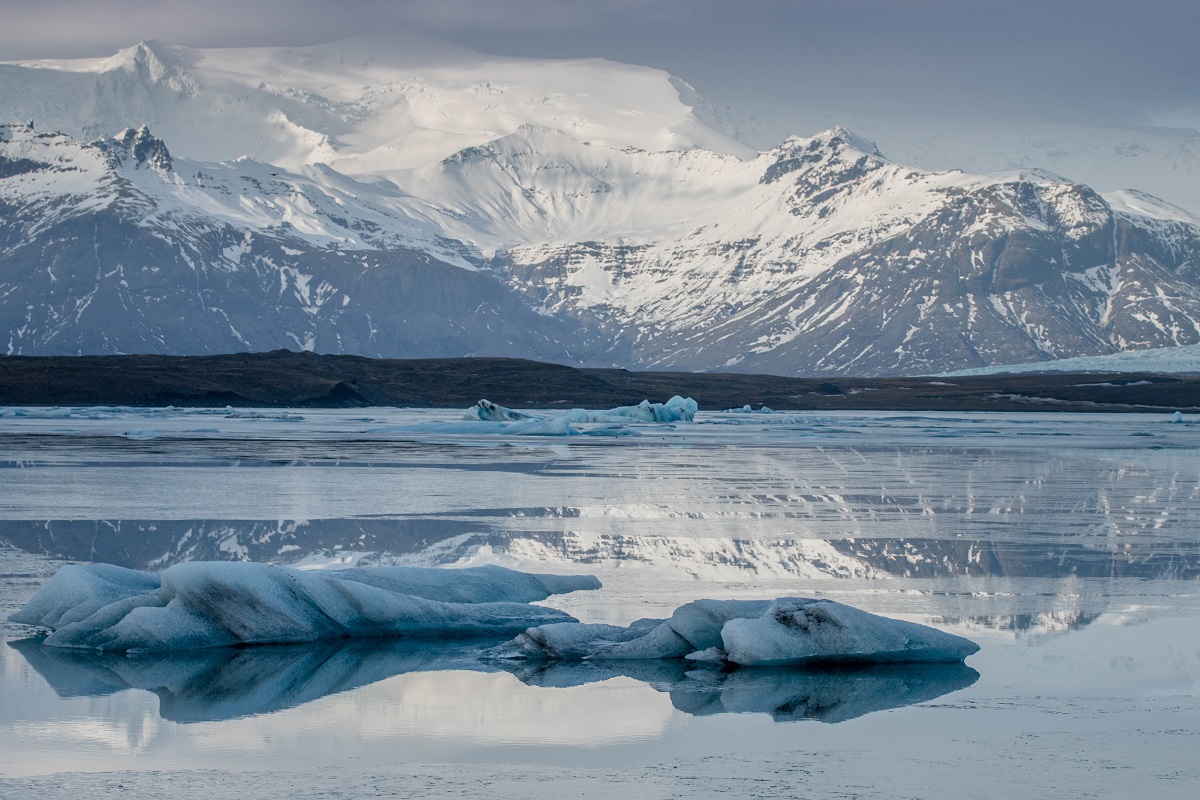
<point x="1066" y="545"/>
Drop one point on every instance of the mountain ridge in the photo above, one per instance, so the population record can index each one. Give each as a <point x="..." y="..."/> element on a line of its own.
<point x="817" y="256"/>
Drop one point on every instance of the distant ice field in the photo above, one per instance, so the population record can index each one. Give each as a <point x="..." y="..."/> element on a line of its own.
<point x="1066" y="545"/>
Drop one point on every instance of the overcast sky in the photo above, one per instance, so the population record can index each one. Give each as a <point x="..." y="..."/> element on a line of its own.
<point x="1088" y="61"/>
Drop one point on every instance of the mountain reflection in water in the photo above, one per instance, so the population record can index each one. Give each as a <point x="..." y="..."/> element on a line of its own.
<point x="229" y="683"/>
<point x="157" y="544"/>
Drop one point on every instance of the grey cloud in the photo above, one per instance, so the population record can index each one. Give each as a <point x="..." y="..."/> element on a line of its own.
<point x="1090" y="61"/>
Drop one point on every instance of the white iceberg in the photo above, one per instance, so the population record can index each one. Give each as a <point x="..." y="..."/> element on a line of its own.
<point x="215" y="604"/>
<point x="796" y="630"/>
<point x="557" y="425"/>
<point x="750" y="633"/>
<point x="77" y="592"/>
<point x="677" y="409"/>
<point x="748" y="409"/>
<point x="487" y="411"/>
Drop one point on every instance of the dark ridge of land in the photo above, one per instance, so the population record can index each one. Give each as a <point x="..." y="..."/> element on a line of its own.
<point x="285" y="379"/>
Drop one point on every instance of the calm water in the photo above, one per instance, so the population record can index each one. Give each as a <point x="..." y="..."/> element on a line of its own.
<point x="1068" y="546"/>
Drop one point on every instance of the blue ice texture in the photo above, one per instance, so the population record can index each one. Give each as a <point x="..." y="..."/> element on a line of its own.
<point x="214" y="604"/>
<point x="787" y="631"/>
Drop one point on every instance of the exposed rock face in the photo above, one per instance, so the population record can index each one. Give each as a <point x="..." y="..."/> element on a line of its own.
<point x="100" y="266"/>
<point x="1010" y="273"/>
<point x="966" y="271"/>
<point x="817" y="257"/>
<point x="137" y="148"/>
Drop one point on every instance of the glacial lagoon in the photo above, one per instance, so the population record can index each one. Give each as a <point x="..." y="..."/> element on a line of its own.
<point x="1066" y="545"/>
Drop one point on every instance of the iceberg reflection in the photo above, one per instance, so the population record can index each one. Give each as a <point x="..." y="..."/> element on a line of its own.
<point x="229" y="683"/>
<point x="786" y="693"/>
<point x="222" y="683"/>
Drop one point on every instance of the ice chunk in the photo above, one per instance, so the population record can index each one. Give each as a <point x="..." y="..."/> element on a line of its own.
<point x="677" y="409"/>
<point x="277" y="416"/>
<point x="612" y="430"/>
<point x="694" y="626"/>
<point x="213" y="604"/>
<point x="786" y="631"/>
<point x="142" y="434"/>
<point x="77" y="592"/>
<point x="572" y="641"/>
<point x="797" y="630"/>
<point x="488" y="584"/>
<point x="487" y="411"/>
<point x="748" y="409"/>
<point x="558" y="425"/>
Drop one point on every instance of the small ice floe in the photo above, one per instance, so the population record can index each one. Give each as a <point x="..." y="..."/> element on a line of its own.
<point x="611" y="430"/>
<point x="142" y="434"/>
<point x="214" y="604"/>
<point x="750" y="633"/>
<point x="274" y="416"/>
<point x="43" y="413"/>
<point x="1177" y="417"/>
<point x="749" y="409"/>
<point x="677" y="409"/>
<point x="487" y="411"/>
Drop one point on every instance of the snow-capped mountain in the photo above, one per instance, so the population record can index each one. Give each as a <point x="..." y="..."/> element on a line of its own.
<point x="417" y="199"/>
<point x="1164" y="161"/>
<point x="118" y="247"/>
<point x="368" y="104"/>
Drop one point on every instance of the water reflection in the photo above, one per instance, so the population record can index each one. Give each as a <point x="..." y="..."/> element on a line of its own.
<point x="1033" y="557"/>
<point x="787" y="694"/>
<point x="156" y="544"/>
<point x="1042" y="622"/>
<point x="229" y="683"/>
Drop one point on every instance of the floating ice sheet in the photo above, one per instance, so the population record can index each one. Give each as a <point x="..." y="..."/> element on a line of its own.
<point x="677" y="409"/>
<point x="753" y="633"/>
<point x="214" y="604"/>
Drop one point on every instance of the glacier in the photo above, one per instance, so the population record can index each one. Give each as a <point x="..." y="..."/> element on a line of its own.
<point x="1183" y="359"/>
<point x="197" y="605"/>
<point x="787" y="631"/>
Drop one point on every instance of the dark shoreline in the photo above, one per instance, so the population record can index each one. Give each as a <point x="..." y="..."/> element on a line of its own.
<point x="285" y="379"/>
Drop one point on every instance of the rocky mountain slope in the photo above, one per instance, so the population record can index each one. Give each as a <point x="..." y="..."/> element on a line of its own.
<point x="413" y="206"/>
